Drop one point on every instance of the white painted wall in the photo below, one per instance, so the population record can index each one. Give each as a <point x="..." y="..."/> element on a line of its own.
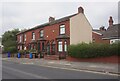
<point x="80" y="29"/>
<point x="114" y="41"/>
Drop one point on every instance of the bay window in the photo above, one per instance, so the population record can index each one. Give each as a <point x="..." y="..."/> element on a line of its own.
<point x="65" y="46"/>
<point x="60" y="48"/>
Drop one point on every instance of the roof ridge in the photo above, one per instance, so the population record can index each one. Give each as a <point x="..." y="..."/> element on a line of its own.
<point x="48" y="23"/>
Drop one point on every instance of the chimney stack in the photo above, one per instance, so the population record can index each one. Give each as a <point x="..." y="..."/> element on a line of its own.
<point x="80" y="10"/>
<point x="110" y="21"/>
<point x="51" y="19"/>
<point x="102" y="28"/>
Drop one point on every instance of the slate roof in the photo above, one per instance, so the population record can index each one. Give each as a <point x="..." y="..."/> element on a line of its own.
<point x="98" y="31"/>
<point x="112" y="32"/>
<point x="49" y="23"/>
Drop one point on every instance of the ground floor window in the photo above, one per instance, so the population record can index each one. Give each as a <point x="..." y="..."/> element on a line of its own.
<point x="60" y="48"/>
<point x="25" y="48"/>
<point x="20" y="47"/>
<point x="65" y="46"/>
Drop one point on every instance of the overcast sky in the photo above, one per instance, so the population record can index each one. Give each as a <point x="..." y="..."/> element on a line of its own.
<point x="29" y="14"/>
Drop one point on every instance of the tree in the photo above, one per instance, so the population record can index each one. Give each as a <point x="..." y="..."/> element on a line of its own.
<point x="9" y="41"/>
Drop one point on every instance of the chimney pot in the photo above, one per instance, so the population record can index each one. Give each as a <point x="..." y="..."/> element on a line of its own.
<point x="51" y="19"/>
<point x="110" y="21"/>
<point x="80" y="10"/>
<point x="102" y="28"/>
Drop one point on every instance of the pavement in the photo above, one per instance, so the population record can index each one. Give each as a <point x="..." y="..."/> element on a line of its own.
<point x="105" y="68"/>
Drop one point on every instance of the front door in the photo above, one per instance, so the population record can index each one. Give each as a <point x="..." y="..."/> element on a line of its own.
<point x="38" y="47"/>
<point x="53" y="49"/>
<point x="48" y="48"/>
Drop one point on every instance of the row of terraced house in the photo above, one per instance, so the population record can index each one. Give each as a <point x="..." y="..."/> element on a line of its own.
<point x="53" y="37"/>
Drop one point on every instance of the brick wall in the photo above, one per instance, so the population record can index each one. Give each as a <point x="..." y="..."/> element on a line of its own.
<point x="50" y="32"/>
<point x="98" y="38"/>
<point x="110" y="59"/>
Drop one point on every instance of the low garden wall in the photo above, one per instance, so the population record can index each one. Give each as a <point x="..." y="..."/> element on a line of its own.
<point x="107" y="53"/>
<point x="110" y="59"/>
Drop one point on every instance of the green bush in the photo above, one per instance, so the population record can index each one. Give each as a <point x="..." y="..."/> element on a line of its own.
<point x="92" y="50"/>
<point x="33" y="51"/>
<point x="23" y="51"/>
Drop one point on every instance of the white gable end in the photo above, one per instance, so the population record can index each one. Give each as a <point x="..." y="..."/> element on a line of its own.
<point x="80" y="29"/>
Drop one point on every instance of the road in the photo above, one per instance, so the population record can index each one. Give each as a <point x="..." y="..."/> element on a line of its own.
<point x="11" y="70"/>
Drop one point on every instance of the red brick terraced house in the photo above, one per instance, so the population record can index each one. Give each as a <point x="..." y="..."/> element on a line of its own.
<point x="54" y="37"/>
<point x="110" y="35"/>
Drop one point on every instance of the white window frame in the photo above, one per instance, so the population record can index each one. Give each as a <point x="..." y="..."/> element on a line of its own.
<point x="41" y="33"/>
<point x="20" y="47"/>
<point x="114" y="41"/>
<point x="62" y="29"/>
<point x="60" y="46"/>
<point x="25" y="48"/>
<point x="33" y="35"/>
<point x="65" y="46"/>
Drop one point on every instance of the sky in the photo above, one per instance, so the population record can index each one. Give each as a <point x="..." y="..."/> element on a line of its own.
<point x="27" y="14"/>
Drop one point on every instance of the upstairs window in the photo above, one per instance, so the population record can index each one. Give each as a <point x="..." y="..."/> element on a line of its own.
<point x="62" y="29"/>
<point x="33" y="36"/>
<point x="41" y="33"/>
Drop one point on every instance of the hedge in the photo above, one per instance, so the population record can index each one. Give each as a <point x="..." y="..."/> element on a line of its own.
<point x="23" y="51"/>
<point x="93" y="50"/>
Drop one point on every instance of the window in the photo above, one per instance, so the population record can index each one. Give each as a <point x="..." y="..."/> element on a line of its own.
<point x="112" y="41"/>
<point x="25" y="48"/>
<point x="20" y="38"/>
<point x="20" y="47"/>
<point x="62" y="29"/>
<point x="33" y="36"/>
<point x="24" y="37"/>
<point x="41" y="33"/>
<point x="65" y="46"/>
<point x="60" y="48"/>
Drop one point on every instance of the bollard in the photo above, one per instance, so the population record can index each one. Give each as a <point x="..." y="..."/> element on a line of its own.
<point x="18" y="55"/>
